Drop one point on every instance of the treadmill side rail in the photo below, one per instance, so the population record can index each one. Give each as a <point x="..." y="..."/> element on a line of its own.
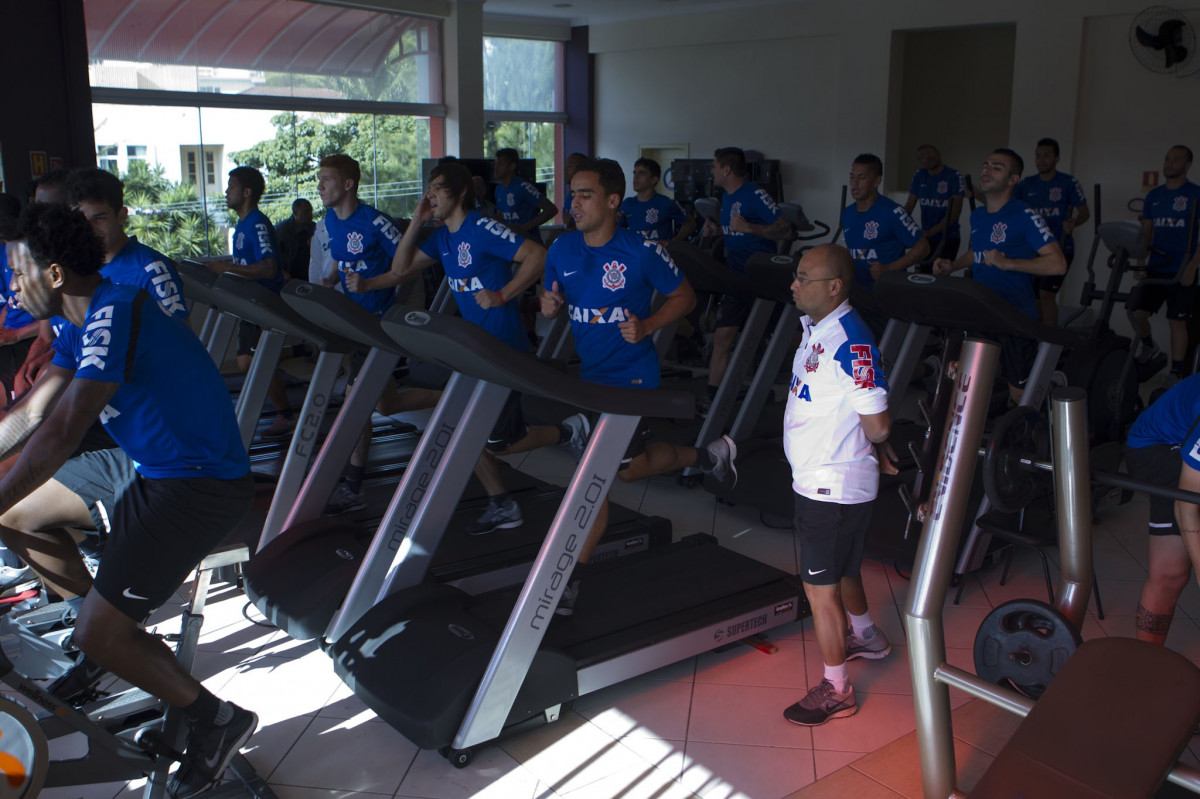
<point x="534" y="610"/>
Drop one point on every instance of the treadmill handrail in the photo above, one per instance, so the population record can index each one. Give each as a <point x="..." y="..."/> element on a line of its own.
<point x="706" y="273"/>
<point x="339" y="314"/>
<point x="197" y="283"/>
<point x="772" y="276"/>
<point x="963" y="304"/>
<point x="463" y="346"/>
<point x="247" y="299"/>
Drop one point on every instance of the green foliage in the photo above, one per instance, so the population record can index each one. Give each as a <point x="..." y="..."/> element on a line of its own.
<point x="519" y="75"/>
<point x="168" y="217"/>
<point x="388" y="149"/>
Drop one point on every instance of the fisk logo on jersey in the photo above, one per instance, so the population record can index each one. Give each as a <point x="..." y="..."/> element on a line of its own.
<point x="390" y="232"/>
<point x="497" y="229"/>
<point x="1040" y="224"/>
<point x="354" y="243"/>
<point x="999" y="233"/>
<point x="1180" y="203"/>
<point x="464" y="254"/>
<point x="614" y="276"/>
<point x="96" y="338"/>
<point x="870" y="230"/>
<point x="597" y="316"/>
<point x="907" y="221"/>
<point x="264" y="240"/>
<point x="862" y="366"/>
<point x="813" y="360"/>
<point x="166" y="288"/>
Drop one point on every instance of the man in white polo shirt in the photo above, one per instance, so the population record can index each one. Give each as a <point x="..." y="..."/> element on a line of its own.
<point x="836" y="418"/>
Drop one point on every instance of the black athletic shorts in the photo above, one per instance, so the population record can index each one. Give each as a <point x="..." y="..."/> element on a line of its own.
<point x="1158" y="464"/>
<point x="734" y="309"/>
<point x="637" y="444"/>
<point x="831" y="538"/>
<point x="1180" y="300"/>
<point x="510" y="427"/>
<point x="248" y="334"/>
<point x="1017" y="355"/>
<point x="158" y="530"/>
<point x="1052" y="283"/>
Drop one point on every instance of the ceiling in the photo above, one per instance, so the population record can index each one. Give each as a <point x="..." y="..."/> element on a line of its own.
<point x="593" y="12"/>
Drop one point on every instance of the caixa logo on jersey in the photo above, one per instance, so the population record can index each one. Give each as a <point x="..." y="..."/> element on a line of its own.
<point x="354" y="243"/>
<point x="614" y="276"/>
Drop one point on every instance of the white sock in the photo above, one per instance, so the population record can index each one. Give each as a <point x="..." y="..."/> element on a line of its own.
<point x="839" y="676"/>
<point x="860" y="624"/>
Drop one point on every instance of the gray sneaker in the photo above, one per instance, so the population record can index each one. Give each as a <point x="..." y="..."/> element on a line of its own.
<point x="497" y="517"/>
<point x="15" y="576"/>
<point x="822" y="704"/>
<point x="724" y="452"/>
<point x="581" y="430"/>
<point x="566" y="602"/>
<point x="343" y="500"/>
<point x="873" y="645"/>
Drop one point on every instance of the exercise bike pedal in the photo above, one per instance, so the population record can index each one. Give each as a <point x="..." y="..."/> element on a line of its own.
<point x="152" y="741"/>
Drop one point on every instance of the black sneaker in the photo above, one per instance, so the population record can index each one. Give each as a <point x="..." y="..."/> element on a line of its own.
<point x="78" y="686"/>
<point x="209" y="750"/>
<point x="822" y="704"/>
<point x="566" y="603"/>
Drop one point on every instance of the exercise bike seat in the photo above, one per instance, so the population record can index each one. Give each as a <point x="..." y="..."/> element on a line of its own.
<point x="1112" y="724"/>
<point x="1125" y="234"/>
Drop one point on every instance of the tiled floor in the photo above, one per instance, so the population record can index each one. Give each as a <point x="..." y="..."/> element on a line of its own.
<point x="710" y="726"/>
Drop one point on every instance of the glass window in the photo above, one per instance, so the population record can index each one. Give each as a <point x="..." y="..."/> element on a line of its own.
<point x="535" y="140"/>
<point x="278" y="48"/>
<point x="522" y="75"/>
<point x="175" y="193"/>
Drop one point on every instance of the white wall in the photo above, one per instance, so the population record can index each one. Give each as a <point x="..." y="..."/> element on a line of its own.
<point x="809" y="83"/>
<point x="683" y="107"/>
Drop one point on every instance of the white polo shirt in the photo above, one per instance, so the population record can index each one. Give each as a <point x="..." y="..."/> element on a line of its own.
<point x="836" y="376"/>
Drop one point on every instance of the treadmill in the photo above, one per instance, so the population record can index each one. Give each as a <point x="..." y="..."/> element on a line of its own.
<point x="300" y="578"/>
<point x="453" y="671"/>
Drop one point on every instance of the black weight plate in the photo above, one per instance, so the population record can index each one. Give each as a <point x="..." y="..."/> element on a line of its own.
<point x="1024" y="643"/>
<point x="1109" y="399"/>
<point x="1020" y="433"/>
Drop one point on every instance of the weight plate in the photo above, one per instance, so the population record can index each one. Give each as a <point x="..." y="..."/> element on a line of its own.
<point x="1024" y="644"/>
<point x="1021" y="433"/>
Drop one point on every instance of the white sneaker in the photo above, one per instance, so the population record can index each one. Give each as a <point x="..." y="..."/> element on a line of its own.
<point x="581" y="430"/>
<point x="724" y="452"/>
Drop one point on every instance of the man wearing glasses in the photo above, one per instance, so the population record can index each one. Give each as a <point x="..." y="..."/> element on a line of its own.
<point x="836" y="418"/>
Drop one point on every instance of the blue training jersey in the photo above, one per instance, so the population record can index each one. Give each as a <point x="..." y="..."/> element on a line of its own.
<point x="364" y="242"/>
<point x="1170" y="211"/>
<point x="254" y="241"/>
<point x="602" y="287"/>
<point x="518" y="200"/>
<point x="657" y="218"/>
<point x="1017" y="231"/>
<point x="1053" y="199"/>
<point x="139" y="265"/>
<point x="479" y="256"/>
<point x="881" y="233"/>
<point x="1172" y="420"/>
<point x="758" y="208"/>
<point x="934" y="194"/>
<point x="15" y="317"/>
<point x="171" y="414"/>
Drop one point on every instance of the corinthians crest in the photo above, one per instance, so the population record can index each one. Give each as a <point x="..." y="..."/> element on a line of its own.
<point x="811" y="362"/>
<point x="464" y="254"/>
<point x="999" y="233"/>
<point x="354" y="243"/>
<point x="870" y="230"/>
<point x="614" y="276"/>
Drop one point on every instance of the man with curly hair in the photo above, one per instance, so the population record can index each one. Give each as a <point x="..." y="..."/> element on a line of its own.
<point x="178" y="484"/>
